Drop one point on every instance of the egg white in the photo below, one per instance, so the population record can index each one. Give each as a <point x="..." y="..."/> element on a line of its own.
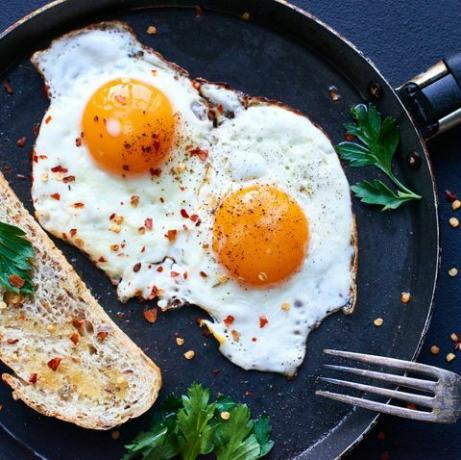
<point x="255" y="142"/>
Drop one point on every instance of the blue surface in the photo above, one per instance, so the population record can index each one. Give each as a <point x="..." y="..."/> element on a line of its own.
<point x="403" y="37"/>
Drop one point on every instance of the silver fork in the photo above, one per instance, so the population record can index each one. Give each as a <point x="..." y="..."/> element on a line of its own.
<point x="444" y="400"/>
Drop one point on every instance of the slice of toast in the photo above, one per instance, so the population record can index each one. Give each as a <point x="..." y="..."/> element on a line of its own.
<point x="69" y="359"/>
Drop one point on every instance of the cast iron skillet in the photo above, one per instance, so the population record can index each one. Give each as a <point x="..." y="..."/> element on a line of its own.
<point x="286" y="54"/>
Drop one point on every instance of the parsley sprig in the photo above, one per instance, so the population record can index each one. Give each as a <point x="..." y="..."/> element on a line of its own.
<point x="193" y="426"/>
<point x="16" y="254"/>
<point x="379" y="139"/>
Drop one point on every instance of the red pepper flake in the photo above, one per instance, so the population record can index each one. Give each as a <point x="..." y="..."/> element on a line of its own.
<point x="54" y="363"/>
<point x="349" y="137"/>
<point x="78" y="323"/>
<point x="450" y="196"/>
<point x="203" y="275"/>
<point x="201" y="153"/>
<point x="73" y="231"/>
<point x="16" y="281"/>
<point x="56" y="196"/>
<point x="102" y="260"/>
<point x="253" y="339"/>
<point x="7" y="87"/>
<point x="36" y="129"/>
<point x="197" y="85"/>
<point x="185" y="275"/>
<point x="59" y="169"/>
<point x="194" y="217"/>
<point x="263" y="321"/>
<point x="79" y="205"/>
<point x="228" y="320"/>
<point x="48" y="119"/>
<point x="220" y="108"/>
<point x="68" y="179"/>
<point x="78" y="141"/>
<point x="12" y="341"/>
<point x="74" y="338"/>
<point x="33" y="378"/>
<point x="184" y="213"/>
<point x="153" y="292"/>
<point x="148" y="223"/>
<point x="21" y="142"/>
<point x="126" y="167"/>
<point x="155" y="172"/>
<point x="137" y="267"/>
<point x="102" y="335"/>
<point x="198" y="11"/>
<point x="171" y="235"/>
<point x="235" y="335"/>
<point x="150" y="315"/>
<point x="174" y="274"/>
<point x="160" y="269"/>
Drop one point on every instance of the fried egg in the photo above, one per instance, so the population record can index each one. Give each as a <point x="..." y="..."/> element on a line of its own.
<point x="184" y="191"/>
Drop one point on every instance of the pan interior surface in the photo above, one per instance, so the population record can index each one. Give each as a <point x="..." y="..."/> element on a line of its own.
<point x="282" y="55"/>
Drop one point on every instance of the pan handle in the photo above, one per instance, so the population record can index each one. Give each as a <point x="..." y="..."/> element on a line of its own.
<point x="433" y="98"/>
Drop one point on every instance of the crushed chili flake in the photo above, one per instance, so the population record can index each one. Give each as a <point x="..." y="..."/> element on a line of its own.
<point x="160" y="269"/>
<point x="203" y="275"/>
<point x="36" y="129"/>
<point x="102" y="259"/>
<point x="349" y="137"/>
<point x="450" y="196"/>
<point x="7" y="87"/>
<point x="185" y="275"/>
<point x="59" y="169"/>
<point x="33" y="378"/>
<point x="201" y="153"/>
<point x="148" y="223"/>
<point x="12" y="341"/>
<point x="154" y="292"/>
<point x="134" y="200"/>
<point x="137" y="267"/>
<point x="78" y="141"/>
<point x="155" y="172"/>
<point x="78" y="205"/>
<point x="171" y="235"/>
<point x="263" y="321"/>
<point x="21" y="142"/>
<point x="16" y="281"/>
<point x="68" y="179"/>
<point x="253" y="339"/>
<point x="77" y="323"/>
<point x="228" y="320"/>
<point x="235" y="335"/>
<point x="74" y="338"/>
<point x="194" y="217"/>
<point x="150" y="315"/>
<point x="184" y="213"/>
<point x="174" y="274"/>
<point x="56" y="196"/>
<point x="220" y="108"/>
<point x="54" y="363"/>
<point x="46" y="90"/>
<point x="48" y="119"/>
<point x="101" y="336"/>
<point x="73" y="231"/>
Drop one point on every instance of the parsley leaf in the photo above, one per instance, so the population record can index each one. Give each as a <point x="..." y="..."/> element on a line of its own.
<point x="192" y="426"/>
<point x="379" y="139"/>
<point x="16" y="254"/>
<point x="262" y="430"/>
<point x="195" y="434"/>
<point x="234" y="440"/>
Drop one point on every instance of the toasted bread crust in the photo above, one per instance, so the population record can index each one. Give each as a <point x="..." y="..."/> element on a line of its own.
<point x="104" y="379"/>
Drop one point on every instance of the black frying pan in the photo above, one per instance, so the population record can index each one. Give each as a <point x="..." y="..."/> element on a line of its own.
<point x="284" y="54"/>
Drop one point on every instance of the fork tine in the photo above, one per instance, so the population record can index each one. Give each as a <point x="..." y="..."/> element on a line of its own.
<point x="409" y="382"/>
<point x="425" y="401"/>
<point x="389" y="362"/>
<point x="379" y="407"/>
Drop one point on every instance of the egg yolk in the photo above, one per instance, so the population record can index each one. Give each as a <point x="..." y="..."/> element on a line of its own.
<point x="260" y="235"/>
<point x="128" y="126"/>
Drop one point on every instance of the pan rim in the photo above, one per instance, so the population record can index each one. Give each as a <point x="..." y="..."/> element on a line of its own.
<point x="298" y="10"/>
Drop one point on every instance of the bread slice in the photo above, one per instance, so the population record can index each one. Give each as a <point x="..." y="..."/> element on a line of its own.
<point x="102" y="379"/>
